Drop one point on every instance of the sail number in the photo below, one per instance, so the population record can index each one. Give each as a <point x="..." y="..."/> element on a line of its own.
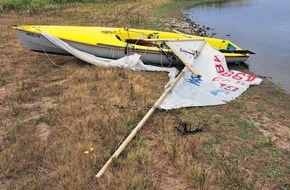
<point x="33" y="35"/>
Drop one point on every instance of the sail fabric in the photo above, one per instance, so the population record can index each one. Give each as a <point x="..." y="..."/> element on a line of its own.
<point x="217" y="84"/>
<point x="133" y="61"/>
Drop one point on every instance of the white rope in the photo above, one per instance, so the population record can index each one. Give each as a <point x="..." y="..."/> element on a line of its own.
<point x="49" y="57"/>
<point x="47" y="54"/>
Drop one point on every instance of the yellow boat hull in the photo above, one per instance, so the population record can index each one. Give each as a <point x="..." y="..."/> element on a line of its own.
<point x="115" y="43"/>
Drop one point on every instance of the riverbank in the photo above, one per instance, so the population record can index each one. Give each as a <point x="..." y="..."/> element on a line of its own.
<point x="180" y="21"/>
<point x="59" y="125"/>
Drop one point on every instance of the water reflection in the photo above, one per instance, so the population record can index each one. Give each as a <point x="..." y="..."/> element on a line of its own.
<point x="225" y="4"/>
<point x="261" y="26"/>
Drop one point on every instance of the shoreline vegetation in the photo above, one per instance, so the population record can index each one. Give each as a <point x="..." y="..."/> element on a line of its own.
<point x="59" y="125"/>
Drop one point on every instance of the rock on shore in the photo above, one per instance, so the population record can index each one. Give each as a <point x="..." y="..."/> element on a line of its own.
<point x="187" y="26"/>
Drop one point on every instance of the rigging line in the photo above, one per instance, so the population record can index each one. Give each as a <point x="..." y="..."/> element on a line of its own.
<point x="146" y="51"/>
<point x="48" y="56"/>
<point x="166" y="55"/>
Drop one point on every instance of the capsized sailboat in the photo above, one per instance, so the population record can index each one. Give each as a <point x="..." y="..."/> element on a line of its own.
<point x="114" y="43"/>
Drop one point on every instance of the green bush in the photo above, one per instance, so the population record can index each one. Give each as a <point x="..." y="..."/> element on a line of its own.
<point x="34" y="5"/>
<point x="23" y="4"/>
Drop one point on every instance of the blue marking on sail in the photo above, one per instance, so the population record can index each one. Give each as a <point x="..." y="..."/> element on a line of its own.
<point x="215" y="92"/>
<point x="194" y="80"/>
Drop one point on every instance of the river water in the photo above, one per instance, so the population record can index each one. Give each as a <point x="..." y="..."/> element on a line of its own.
<point x="262" y="26"/>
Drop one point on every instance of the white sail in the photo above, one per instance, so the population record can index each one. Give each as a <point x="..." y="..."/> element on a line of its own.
<point x="217" y="84"/>
<point x="133" y="61"/>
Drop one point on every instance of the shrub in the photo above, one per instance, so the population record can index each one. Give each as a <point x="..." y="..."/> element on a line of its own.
<point x="36" y="5"/>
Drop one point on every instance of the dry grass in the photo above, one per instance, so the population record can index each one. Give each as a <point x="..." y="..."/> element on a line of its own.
<point x="50" y="116"/>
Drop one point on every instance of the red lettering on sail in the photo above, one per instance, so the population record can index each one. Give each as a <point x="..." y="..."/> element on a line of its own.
<point x="250" y="78"/>
<point x="229" y="88"/>
<point x="216" y="59"/>
<point x="218" y="65"/>
<point x="228" y="74"/>
<point x="219" y="68"/>
<point x="239" y="76"/>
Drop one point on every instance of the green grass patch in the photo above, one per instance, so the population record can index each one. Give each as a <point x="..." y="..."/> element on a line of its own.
<point x="35" y="6"/>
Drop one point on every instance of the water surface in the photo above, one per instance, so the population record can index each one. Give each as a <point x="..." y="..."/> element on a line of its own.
<point x="262" y="26"/>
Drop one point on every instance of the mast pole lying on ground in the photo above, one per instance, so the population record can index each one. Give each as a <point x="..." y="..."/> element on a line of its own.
<point x="139" y="126"/>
